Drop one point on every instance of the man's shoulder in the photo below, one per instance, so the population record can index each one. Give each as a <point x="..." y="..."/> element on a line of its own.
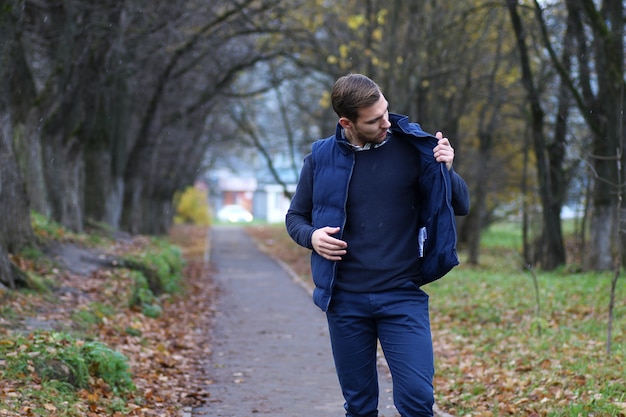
<point x="324" y="144"/>
<point x="320" y="142"/>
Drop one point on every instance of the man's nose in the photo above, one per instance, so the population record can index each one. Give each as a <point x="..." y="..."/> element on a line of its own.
<point x="386" y="123"/>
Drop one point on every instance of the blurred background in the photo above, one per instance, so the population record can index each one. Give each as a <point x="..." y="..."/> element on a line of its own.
<point x="110" y="111"/>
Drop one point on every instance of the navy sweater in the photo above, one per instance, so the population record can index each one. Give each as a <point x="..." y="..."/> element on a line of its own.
<point x="381" y="219"/>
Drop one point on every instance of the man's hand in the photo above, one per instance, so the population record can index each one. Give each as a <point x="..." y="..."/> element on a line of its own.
<point x="327" y="246"/>
<point x="443" y="151"/>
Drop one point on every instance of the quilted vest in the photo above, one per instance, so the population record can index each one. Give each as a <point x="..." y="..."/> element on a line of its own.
<point x="333" y="161"/>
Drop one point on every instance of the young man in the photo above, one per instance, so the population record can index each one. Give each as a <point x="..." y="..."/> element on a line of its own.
<point x="376" y="204"/>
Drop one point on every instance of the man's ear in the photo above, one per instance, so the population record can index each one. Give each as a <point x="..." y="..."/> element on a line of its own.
<point x="345" y="122"/>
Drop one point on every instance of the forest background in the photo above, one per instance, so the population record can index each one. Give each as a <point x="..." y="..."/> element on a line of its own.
<point x="108" y="109"/>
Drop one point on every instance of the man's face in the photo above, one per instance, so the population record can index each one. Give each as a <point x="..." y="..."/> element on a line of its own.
<point x="371" y="125"/>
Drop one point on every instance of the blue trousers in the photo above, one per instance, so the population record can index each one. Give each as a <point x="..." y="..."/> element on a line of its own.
<point x="399" y="319"/>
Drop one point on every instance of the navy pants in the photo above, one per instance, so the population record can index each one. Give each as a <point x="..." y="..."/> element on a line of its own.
<point x="399" y="319"/>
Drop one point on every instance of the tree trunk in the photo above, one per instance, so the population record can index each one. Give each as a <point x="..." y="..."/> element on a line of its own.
<point x="487" y="121"/>
<point x="600" y="255"/>
<point x="15" y="228"/>
<point x="601" y="56"/>
<point x="146" y="214"/>
<point x="132" y="207"/>
<point x="7" y="280"/>
<point x="608" y="125"/>
<point x="103" y="190"/>
<point x="551" y="250"/>
<point x="63" y="170"/>
<point x="106" y="155"/>
<point x="474" y="220"/>
<point x="29" y="153"/>
<point x="107" y="111"/>
<point x="25" y="119"/>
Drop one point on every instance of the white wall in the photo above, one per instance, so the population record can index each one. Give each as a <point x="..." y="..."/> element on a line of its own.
<point x="277" y="203"/>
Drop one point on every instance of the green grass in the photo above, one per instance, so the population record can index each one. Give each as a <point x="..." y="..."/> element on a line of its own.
<point x="499" y="355"/>
<point x="91" y="315"/>
<point x="65" y="374"/>
<point x="505" y="235"/>
<point x="54" y="366"/>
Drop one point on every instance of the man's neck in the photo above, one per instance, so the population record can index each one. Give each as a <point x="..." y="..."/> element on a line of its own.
<point x="349" y="137"/>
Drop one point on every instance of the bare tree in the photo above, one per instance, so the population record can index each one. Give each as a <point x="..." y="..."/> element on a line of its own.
<point x="110" y="99"/>
<point x="598" y="91"/>
<point x="552" y="254"/>
<point x="15" y="228"/>
<point x="226" y="42"/>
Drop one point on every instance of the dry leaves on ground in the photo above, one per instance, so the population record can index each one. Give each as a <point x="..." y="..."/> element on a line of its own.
<point x="168" y="355"/>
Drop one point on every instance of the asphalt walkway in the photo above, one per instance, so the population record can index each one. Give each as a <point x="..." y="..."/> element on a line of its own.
<point x="271" y="353"/>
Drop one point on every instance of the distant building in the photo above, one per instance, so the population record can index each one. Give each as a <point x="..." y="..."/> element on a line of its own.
<point x="237" y="190"/>
<point x="271" y="202"/>
<point x="259" y="194"/>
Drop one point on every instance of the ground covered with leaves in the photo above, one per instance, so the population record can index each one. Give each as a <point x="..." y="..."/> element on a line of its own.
<point x="503" y="348"/>
<point x="115" y="342"/>
<point x="108" y="344"/>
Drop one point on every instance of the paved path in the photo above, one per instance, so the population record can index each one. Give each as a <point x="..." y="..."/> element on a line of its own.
<point x="271" y="354"/>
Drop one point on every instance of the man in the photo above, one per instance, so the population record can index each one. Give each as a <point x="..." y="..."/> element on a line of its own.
<point x="376" y="204"/>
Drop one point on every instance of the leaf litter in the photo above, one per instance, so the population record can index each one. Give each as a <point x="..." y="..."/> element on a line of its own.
<point x="168" y="355"/>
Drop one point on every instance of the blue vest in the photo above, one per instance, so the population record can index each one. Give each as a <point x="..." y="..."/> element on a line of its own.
<point x="333" y="161"/>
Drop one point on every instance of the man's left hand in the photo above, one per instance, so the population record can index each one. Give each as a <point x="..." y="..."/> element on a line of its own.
<point x="443" y="151"/>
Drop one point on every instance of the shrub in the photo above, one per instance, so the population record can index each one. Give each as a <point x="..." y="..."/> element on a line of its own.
<point x="64" y="361"/>
<point x="111" y="366"/>
<point x="156" y="270"/>
<point x="46" y="228"/>
<point x="192" y="206"/>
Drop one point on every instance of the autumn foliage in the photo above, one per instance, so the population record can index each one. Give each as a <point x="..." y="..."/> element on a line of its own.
<point x="192" y="206"/>
<point x="85" y="350"/>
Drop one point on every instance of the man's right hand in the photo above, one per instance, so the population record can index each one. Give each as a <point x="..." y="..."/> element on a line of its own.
<point x="326" y="245"/>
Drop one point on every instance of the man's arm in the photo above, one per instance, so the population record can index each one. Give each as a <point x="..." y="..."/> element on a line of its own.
<point x="460" y="194"/>
<point x="298" y="220"/>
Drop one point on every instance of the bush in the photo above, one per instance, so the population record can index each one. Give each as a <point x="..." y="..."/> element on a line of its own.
<point x="155" y="271"/>
<point x="46" y="228"/>
<point x="192" y="206"/>
<point x="111" y="366"/>
<point x="59" y="358"/>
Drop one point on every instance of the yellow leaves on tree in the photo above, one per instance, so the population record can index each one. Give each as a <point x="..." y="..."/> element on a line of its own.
<point x="356" y="21"/>
<point x="192" y="206"/>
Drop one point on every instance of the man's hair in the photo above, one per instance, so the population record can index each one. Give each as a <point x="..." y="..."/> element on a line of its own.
<point x="353" y="92"/>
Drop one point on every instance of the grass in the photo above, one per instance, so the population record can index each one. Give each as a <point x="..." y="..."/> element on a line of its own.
<point x="499" y="353"/>
<point x="79" y="368"/>
<point x="53" y="367"/>
<point x="492" y="343"/>
<point x="496" y="353"/>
